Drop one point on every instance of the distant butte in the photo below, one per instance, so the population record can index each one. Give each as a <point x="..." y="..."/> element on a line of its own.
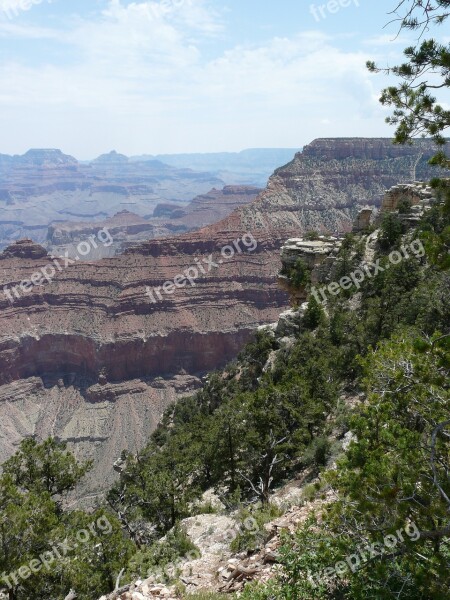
<point x="24" y="249"/>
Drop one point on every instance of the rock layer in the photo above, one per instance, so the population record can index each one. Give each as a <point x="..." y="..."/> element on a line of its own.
<point x="82" y="356"/>
<point x="330" y="181"/>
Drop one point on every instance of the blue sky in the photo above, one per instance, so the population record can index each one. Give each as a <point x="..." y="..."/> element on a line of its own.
<point x="88" y="76"/>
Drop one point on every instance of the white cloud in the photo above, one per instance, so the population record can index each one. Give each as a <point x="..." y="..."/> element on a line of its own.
<point x="143" y="83"/>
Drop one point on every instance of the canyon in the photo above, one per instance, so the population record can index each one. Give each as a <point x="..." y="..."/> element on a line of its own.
<point x="128" y="229"/>
<point x="88" y="358"/>
<point x="45" y="188"/>
<point x="248" y="167"/>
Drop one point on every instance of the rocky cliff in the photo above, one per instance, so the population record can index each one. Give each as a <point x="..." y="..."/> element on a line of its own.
<point x="90" y="358"/>
<point x="330" y="181"/>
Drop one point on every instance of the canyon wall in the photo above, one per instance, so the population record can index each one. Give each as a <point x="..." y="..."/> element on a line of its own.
<point x="331" y="180"/>
<point x="90" y="358"/>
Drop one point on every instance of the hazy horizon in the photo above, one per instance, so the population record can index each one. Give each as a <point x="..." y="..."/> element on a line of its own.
<point x="149" y="154"/>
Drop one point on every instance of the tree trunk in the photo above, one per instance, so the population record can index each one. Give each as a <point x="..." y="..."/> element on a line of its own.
<point x="232" y="463"/>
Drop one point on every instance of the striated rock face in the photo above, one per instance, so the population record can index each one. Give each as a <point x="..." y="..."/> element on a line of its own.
<point x="89" y="357"/>
<point x="214" y="206"/>
<point x="97" y="421"/>
<point x="366" y="149"/>
<point x="330" y="181"/>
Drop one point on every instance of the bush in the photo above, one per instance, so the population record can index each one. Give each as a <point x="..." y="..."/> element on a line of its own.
<point x="299" y="274"/>
<point x="252" y="533"/>
<point x="162" y="554"/>
<point x="391" y="231"/>
<point x="317" y="452"/>
<point x="207" y="596"/>
<point x="404" y="206"/>
<point x="314" y="315"/>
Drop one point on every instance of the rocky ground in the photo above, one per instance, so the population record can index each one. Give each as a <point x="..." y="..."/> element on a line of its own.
<point x="219" y="569"/>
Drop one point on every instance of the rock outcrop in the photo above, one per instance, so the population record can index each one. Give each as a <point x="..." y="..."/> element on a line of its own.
<point x="317" y="256"/>
<point x="413" y="194"/>
<point x="24" y="249"/>
<point x="363" y="220"/>
<point x="409" y="201"/>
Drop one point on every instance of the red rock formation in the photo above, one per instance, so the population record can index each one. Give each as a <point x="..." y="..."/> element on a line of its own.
<point x="94" y="323"/>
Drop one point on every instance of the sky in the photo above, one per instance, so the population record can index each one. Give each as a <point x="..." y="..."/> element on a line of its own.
<point x="171" y="76"/>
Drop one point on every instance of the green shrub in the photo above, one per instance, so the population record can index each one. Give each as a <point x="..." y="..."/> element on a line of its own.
<point x="317" y="452"/>
<point x="314" y="315"/>
<point x="300" y="274"/>
<point x="309" y="492"/>
<point x="391" y="231"/>
<point x="259" y="591"/>
<point x="404" y="206"/>
<point x="156" y="558"/>
<point x="208" y="596"/>
<point x="252" y="532"/>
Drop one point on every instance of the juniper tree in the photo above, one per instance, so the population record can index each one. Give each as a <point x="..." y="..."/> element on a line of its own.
<point x="424" y="74"/>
